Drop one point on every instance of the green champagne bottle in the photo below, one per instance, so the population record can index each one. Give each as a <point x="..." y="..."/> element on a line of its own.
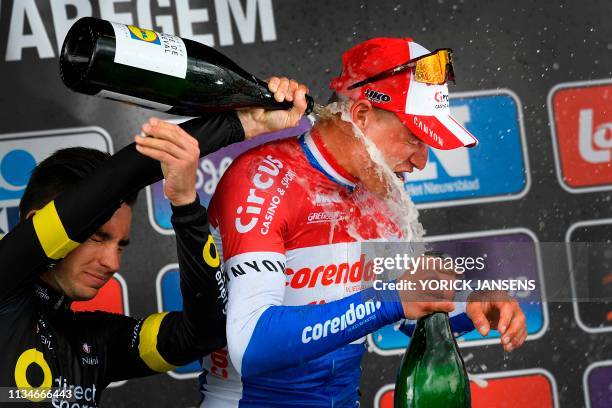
<point x="432" y="374"/>
<point x="158" y="71"/>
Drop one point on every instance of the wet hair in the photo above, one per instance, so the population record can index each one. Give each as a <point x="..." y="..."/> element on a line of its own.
<point x="57" y="173"/>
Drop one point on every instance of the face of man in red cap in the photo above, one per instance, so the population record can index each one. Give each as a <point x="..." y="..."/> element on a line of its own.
<point x="402" y="151"/>
<point x="400" y="101"/>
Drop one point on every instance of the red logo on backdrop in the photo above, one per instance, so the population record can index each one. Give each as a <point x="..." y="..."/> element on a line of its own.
<point x="530" y="390"/>
<point x="581" y="121"/>
<point x="112" y="298"/>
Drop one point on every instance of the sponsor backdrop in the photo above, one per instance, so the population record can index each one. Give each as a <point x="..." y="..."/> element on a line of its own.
<point x="534" y="84"/>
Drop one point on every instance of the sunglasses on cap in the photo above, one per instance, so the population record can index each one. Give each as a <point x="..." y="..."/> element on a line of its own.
<point x="435" y="68"/>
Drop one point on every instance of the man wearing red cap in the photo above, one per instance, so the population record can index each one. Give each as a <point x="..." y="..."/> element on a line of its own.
<point x="290" y="218"/>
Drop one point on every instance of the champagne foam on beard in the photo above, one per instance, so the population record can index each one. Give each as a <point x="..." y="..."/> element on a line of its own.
<point x="402" y="209"/>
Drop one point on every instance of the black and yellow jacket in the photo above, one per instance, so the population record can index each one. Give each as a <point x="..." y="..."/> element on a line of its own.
<point x="45" y="344"/>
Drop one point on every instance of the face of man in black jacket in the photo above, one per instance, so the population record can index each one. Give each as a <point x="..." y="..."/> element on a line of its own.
<point x="83" y="272"/>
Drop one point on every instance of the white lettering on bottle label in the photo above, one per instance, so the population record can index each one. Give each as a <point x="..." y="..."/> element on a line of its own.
<point x="132" y="100"/>
<point x="150" y="50"/>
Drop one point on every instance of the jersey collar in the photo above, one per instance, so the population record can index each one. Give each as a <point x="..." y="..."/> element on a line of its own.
<point x="50" y="297"/>
<point x="321" y="159"/>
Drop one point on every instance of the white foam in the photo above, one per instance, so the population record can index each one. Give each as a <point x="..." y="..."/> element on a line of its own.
<point x="401" y="207"/>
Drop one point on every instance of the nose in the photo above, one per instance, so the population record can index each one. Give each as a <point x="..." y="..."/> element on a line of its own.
<point x="419" y="158"/>
<point x="110" y="258"/>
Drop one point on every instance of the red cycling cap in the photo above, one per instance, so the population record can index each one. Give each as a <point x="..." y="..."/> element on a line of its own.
<point x="422" y="108"/>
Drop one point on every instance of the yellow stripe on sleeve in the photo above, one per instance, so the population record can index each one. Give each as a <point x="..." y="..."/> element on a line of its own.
<point x="148" y="344"/>
<point x="51" y="233"/>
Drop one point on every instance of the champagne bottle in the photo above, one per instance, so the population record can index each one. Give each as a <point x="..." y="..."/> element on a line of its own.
<point x="432" y="374"/>
<point x="158" y="71"/>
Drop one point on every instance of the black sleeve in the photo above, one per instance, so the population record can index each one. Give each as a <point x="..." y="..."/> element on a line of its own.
<point x="200" y="329"/>
<point x="164" y="341"/>
<point x="77" y="213"/>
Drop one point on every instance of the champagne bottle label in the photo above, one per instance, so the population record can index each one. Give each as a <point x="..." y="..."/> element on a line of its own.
<point x="150" y="50"/>
<point x="132" y="100"/>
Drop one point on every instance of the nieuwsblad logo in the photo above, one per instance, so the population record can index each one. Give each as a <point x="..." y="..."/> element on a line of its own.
<point x="496" y="170"/>
<point x="531" y="388"/>
<point x="19" y="154"/>
<point x="143" y="34"/>
<point x="515" y="254"/>
<point x="581" y="128"/>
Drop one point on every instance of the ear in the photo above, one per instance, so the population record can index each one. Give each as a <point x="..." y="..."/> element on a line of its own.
<point x="30" y="214"/>
<point x="361" y="112"/>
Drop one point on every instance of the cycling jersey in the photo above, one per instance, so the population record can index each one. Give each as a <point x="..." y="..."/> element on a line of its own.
<point x="289" y="223"/>
<point x="45" y="344"/>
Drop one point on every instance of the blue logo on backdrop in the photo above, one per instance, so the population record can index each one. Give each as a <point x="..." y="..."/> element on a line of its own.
<point x="15" y="168"/>
<point x="19" y="154"/>
<point x="495" y="170"/>
<point x="171" y="300"/>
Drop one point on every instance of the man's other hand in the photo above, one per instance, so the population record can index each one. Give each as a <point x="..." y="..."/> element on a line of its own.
<point x="498" y="310"/>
